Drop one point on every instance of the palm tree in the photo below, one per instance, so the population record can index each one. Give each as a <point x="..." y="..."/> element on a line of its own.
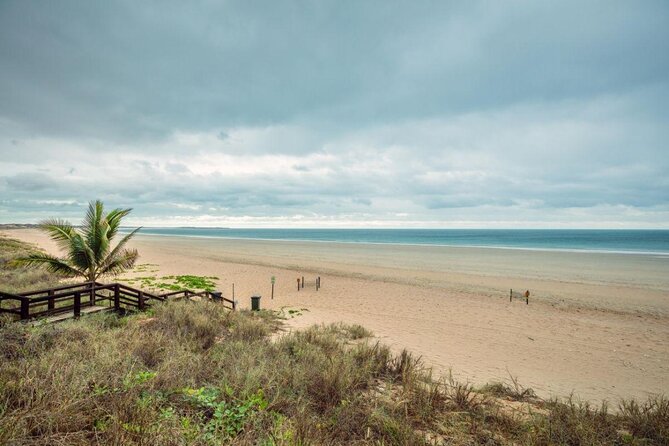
<point x="88" y="248"/>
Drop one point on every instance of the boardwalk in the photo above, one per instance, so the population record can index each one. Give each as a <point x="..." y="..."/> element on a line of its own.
<point x="57" y="304"/>
<point x="64" y="316"/>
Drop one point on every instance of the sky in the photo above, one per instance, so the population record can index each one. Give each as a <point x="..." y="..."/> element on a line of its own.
<point x="492" y="114"/>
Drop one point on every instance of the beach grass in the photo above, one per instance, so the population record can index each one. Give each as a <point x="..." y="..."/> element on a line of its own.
<point x="195" y="373"/>
<point x="16" y="279"/>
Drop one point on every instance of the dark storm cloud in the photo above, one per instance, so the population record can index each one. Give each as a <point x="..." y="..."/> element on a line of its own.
<point x="129" y="69"/>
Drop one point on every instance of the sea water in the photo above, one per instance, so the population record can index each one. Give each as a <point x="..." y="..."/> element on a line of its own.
<point x="623" y="241"/>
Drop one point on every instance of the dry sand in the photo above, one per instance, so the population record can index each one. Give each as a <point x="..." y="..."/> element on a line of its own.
<point x="597" y="324"/>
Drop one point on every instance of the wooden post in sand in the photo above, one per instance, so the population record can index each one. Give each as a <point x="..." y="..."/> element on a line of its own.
<point x="298" y="284"/>
<point x="77" y="304"/>
<point x="302" y="282"/>
<point x="117" y="297"/>
<point x="510" y="294"/>
<point x="233" y="291"/>
<point x="273" y="280"/>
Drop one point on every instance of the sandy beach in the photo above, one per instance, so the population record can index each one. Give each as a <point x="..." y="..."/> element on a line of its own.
<point x="597" y="325"/>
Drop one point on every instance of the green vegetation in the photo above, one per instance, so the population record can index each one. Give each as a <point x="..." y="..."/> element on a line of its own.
<point x="146" y="268"/>
<point x="290" y="313"/>
<point x="194" y="373"/>
<point x="15" y="278"/>
<point x="89" y="252"/>
<point x="173" y="283"/>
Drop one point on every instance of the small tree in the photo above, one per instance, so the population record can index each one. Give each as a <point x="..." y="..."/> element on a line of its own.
<point x="88" y="249"/>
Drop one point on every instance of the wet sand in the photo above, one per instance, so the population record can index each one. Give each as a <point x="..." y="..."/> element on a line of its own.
<point x="597" y="324"/>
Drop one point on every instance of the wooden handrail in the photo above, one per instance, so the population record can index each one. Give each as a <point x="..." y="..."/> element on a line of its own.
<point x="121" y="295"/>
<point x="61" y="288"/>
<point x="9" y="296"/>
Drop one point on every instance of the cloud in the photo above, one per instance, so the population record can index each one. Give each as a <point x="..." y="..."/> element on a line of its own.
<point x="337" y="113"/>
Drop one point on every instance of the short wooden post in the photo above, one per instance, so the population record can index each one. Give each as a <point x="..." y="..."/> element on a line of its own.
<point x="140" y="297"/>
<point x="25" y="308"/>
<point x="510" y="294"/>
<point x="233" y="292"/>
<point x="77" y="304"/>
<point x="52" y="303"/>
<point x="272" y="290"/>
<point x="302" y="282"/>
<point x="92" y="286"/>
<point x="117" y="297"/>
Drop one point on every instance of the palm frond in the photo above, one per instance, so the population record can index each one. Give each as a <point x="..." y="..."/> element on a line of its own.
<point x="52" y="263"/>
<point x="117" y="250"/>
<point x="60" y="231"/>
<point x="114" y="220"/>
<point x="124" y="260"/>
<point x="95" y="228"/>
<point x="81" y="255"/>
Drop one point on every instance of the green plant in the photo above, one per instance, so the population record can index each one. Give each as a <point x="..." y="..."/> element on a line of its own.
<point x="227" y="418"/>
<point x="89" y="251"/>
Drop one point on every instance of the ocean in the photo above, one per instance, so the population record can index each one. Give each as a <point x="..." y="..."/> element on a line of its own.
<point x="587" y="240"/>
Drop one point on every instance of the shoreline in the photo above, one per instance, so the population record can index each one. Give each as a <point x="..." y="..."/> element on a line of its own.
<point x="598" y="327"/>
<point x="512" y="248"/>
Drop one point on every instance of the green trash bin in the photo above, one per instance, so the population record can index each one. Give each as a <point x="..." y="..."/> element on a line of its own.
<point x="255" y="303"/>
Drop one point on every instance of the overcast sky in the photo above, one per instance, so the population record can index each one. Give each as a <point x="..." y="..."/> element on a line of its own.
<point x="342" y="113"/>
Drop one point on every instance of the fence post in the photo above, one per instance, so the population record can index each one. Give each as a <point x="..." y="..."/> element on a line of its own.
<point x="52" y="303"/>
<point x="117" y="297"/>
<point x="510" y="294"/>
<point x="77" y="304"/>
<point x="25" y="308"/>
<point x="140" y="304"/>
<point x="92" y="287"/>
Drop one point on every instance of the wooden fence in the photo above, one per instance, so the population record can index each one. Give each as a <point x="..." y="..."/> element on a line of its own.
<point x="525" y="295"/>
<point x="89" y="296"/>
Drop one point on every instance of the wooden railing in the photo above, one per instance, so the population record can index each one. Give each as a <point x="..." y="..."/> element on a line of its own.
<point x="74" y="298"/>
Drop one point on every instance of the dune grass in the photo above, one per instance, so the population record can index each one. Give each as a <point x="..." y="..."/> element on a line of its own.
<point x="16" y="279"/>
<point x="194" y="373"/>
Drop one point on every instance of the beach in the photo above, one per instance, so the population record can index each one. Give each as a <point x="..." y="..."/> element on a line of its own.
<point x="597" y="324"/>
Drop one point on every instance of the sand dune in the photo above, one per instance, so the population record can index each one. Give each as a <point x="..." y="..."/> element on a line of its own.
<point x="597" y="324"/>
